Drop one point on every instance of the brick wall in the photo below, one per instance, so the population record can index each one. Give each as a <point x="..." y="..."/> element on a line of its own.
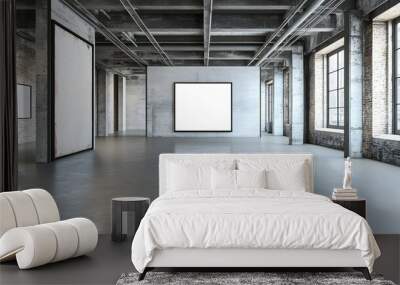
<point x="329" y="139"/>
<point x="377" y="98"/>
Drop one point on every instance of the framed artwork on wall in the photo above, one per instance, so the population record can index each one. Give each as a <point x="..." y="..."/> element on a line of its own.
<point x="203" y="106"/>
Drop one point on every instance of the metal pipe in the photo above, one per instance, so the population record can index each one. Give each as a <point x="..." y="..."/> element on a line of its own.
<point x="139" y="22"/>
<point x="207" y="18"/>
<point x="280" y="28"/>
<point x="291" y="29"/>
<point x="311" y="23"/>
<point x="76" y="6"/>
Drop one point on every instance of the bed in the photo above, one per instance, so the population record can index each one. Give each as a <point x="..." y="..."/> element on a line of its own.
<point x="247" y="211"/>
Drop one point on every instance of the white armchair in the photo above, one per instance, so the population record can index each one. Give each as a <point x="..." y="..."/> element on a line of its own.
<point x="32" y="233"/>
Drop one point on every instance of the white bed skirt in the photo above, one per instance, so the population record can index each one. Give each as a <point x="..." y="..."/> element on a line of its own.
<point x="189" y="257"/>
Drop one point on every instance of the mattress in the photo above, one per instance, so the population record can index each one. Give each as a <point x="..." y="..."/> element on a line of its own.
<point x="250" y="219"/>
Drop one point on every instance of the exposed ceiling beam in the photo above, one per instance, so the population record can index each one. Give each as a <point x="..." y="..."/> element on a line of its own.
<point x="213" y="32"/>
<point x="101" y="48"/>
<point x="189" y="5"/>
<point x="207" y="19"/>
<point x="88" y="16"/>
<point x="199" y="8"/>
<point x="110" y="47"/>
<point x="139" y="22"/>
<point x="293" y="28"/>
<point x="286" y="21"/>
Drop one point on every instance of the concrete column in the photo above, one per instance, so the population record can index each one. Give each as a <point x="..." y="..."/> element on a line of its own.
<point x="353" y="85"/>
<point x="43" y="134"/>
<point x="263" y="100"/>
<point x="121" y="103"/>
<point x="101" y="103"/>
<point x="297" y="96"/>
<point x="109" y="103"/>
<point x="277" y="120"/>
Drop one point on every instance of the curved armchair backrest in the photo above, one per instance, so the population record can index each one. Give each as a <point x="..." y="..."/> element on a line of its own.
<point x="26" y="208"/>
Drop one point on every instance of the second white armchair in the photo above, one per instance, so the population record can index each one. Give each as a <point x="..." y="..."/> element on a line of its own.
<point x="31" y="231"/>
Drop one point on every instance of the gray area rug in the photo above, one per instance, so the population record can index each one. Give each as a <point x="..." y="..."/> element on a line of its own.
<point x="269" y="278"/>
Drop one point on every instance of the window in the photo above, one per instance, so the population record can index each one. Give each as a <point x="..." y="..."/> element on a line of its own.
<point x="335" y="88"/>
<point x="396" y="76"/>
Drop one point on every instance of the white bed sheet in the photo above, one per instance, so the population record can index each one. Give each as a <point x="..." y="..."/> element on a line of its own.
<point x="251" y="218"/>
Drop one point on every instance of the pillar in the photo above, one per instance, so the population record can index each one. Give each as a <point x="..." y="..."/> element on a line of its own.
<point x="277" y="119"/>
<point x="42" y="43"/>
<point x="121" y="103"/>
<point x="353" y="85"/>
<point x="297" y="96"/>
<point x="101" y="103"/>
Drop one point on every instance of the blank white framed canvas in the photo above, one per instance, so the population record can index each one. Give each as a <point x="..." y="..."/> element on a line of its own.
<point x="24" y="101"/>
<point x="73" y="93"/>
<point x="203" y="107"/>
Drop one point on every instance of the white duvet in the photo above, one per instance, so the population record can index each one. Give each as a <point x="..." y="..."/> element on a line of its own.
<point x="250" y="219"/>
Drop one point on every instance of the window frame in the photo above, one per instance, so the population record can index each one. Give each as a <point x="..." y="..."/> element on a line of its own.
<point x="395" y="114"/>
<point x="336" y="51"/>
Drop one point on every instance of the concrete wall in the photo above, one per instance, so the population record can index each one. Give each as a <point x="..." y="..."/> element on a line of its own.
<point x="109" y="101"/>
<point x="136" y="104"/>
<point x="68" y="18"/>
<point x="25" y="70"/>
<point x="286" y="100"/>
<point x="246" y="98"/>
<point x="121" y="103"/>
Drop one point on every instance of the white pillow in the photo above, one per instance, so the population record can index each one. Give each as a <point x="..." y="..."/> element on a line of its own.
<point x="223" y="179"/>
<point x="237" y="179"/>
<point x="251" y="178"/>
<point x="188" y="177"/>
<point x="282" y="174"/>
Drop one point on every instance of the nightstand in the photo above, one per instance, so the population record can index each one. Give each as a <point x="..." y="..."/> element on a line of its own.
<point x="127" y="212"/>
<point x="358" y="206"/>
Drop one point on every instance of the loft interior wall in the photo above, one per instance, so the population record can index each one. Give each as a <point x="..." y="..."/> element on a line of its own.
<point x="26" y="74"/>
<point x="67" y="18"/>
<point x="136" y="104"/>
<point x="245" y="104"/>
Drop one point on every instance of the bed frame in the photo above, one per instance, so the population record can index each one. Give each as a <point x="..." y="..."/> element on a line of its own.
<point x="246" y="259"/>
<point x="255" y="259"/>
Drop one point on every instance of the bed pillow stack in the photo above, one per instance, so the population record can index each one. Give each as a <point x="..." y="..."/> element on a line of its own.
<point x="238" y="179"/>
<point x="289" y="174"/>
<point x="271" y="174"/>
<point x="195" y="175"/>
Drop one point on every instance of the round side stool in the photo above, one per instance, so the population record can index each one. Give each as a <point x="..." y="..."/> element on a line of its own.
<point x="127" y="212"/>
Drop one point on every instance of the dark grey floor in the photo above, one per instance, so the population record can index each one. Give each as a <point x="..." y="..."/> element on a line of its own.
<point x="106" y="264"/>
<point x="103" y="266"/>
<point x="84" y="184"/>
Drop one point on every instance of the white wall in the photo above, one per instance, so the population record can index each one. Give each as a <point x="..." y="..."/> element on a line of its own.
<point x="245" y="92"/>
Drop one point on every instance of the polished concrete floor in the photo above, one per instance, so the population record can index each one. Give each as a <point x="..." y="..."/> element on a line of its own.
<point x="84" y="184"/>
<point x="103" y="266"/>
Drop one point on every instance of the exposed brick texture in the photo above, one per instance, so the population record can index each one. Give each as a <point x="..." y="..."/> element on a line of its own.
<point x="377" y="97"/>
<point x="329" y="139"/>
